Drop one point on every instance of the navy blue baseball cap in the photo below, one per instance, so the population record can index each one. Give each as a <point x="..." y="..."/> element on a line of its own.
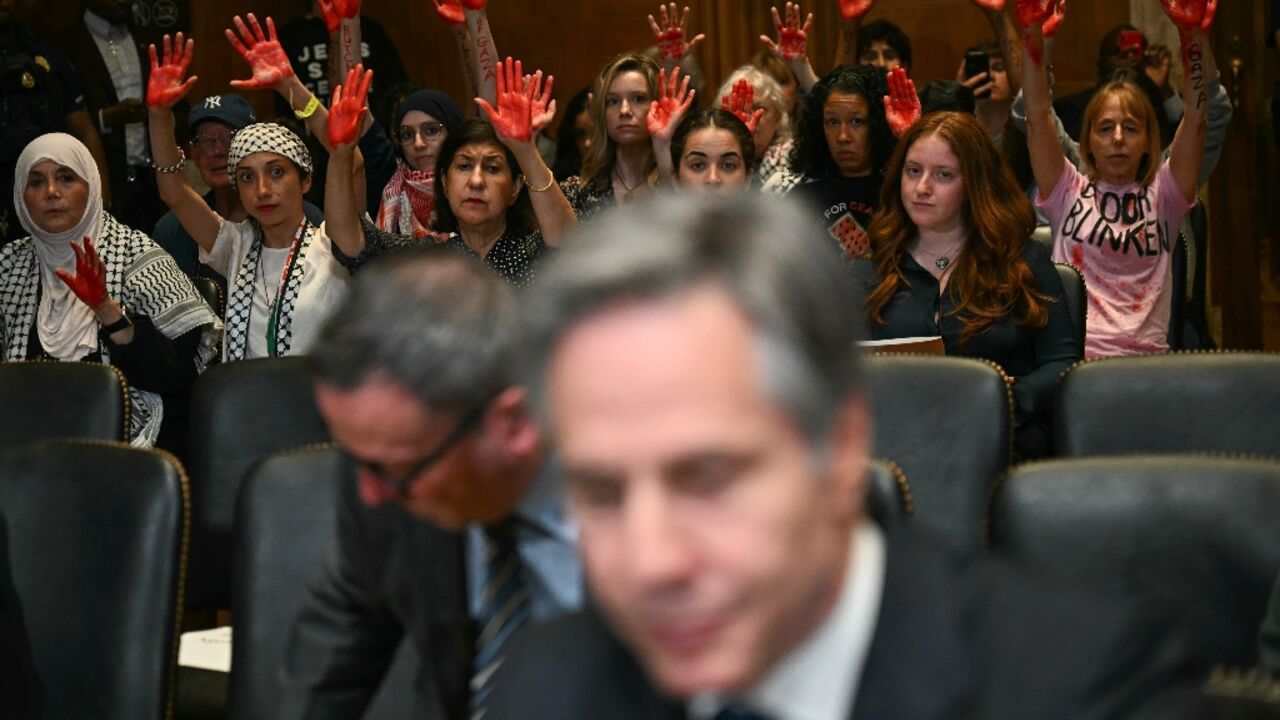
<point x="230" y="108"/>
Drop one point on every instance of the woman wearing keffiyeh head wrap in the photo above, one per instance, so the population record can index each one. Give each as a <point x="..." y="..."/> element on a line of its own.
<point x="280" y="269"/>
<point x="84" y="287"/>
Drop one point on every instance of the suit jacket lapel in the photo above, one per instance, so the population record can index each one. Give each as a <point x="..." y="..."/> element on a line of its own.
<point x="917" y="666"/>
<point x="450" y="631"/>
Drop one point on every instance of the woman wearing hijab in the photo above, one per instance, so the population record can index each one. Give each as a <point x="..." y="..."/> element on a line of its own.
<point x="424" y="121"/>
<point x="115" y="298"/>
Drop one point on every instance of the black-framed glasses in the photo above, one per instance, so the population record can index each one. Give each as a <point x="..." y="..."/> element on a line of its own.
<point x="400" y="484"/>
<point x="429" y="131"/>
<point x="207" y="143"/>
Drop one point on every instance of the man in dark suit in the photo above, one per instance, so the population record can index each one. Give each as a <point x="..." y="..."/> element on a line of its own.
<point x="697" y="370"/>
<point x="452" y="532"/>
<point x="113" y="71"/>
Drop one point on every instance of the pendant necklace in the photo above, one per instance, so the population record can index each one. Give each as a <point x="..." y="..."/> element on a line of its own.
<point x="624" y="185"/>
<point x="943" y="261"/>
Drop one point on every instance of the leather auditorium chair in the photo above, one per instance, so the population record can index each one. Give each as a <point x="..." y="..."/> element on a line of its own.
<point x="44" y="400"/>
<point x="1224" y="402"/>
<point x="97" y="537"/>
<point x="284" y="525"/>
<point x="889" y="500"/>
<point x="1191" y="538"/>
<point x="1075" y="296"/>
<point x="241" y="412"/>
<point x="945" y="421"/>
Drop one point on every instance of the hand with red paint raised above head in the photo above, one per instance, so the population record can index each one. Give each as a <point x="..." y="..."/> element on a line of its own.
<point x="262" y="51"/>
<point x="335" y="11"/>
<point x="1190" y="15"/>
<point x="512" y="119"/>
<point x="852" y="10"/>
<point x="1050" y="27"/>
<point x="739" y="101"/>
<point x="90" y="280"/>
<point x="902" y="104"/>
<point x="1033" y="12"/>
<point x="544" y="107"/>
<point x="167" y="83"/>
<point x="671" y="35"/>
<point x="450" y="11"/>
<point x="793" y="38"/>
<point x="673" y="101"/>
<point x="348" y="107"/>
<point x="992" y="5"/>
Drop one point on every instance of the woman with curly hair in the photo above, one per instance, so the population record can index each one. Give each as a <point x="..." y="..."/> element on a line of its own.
<point x="950" y="257"/>
<point x="841" y="146"/>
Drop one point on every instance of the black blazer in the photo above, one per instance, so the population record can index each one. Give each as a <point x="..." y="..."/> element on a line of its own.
<point x="99" y="91"/>
<point x="955" y="639"/>
<point x="390" y="574"/>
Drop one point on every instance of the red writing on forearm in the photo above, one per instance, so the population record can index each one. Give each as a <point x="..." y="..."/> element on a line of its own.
<point x="348" y="56"/>
<point x="486" y="54"/>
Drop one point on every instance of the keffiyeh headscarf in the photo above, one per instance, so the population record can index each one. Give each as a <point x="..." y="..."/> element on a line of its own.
<point x="267" y="137"/>
<point x="408" y="200"/>
<point x="68" y="328"/>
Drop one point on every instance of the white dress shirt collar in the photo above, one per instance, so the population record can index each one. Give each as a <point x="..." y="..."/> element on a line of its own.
<point x="819" y="679"/>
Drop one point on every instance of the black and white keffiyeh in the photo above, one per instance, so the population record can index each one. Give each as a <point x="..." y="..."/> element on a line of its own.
<point x="142" y="277"/>
<point x="267" y="137"/>
<point x="240" y="303"/>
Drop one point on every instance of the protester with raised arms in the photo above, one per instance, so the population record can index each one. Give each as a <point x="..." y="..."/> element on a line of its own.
<point x="280" y="268"/>
<point x="1118" y="220"/>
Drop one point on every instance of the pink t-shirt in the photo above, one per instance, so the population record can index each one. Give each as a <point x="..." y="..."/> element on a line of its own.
<point x="1121" y="238"/>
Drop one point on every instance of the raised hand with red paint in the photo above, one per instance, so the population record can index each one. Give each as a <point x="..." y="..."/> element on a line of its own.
<point x="1190" y="15"/>
<point x="902" y="104"/>
<point x="992" y="5"/>
<point x="673" y="101"/>
<point x="335" y="11"/>
<point x="793" y="38"/>
<point x="90" y="281"/>
<point x="165" y="83"/>
<point x="1034" y="12"/>
<point x="1050" y="27"/>
<point x="513" y="118"/>
<point x="671" y="36"/>
<point x="1039" y="19"/>
<point x="852" y="10"/>
<point x="262" y="51"/>
<point x="739" y="101"/>
<point x="347" y="109"/>
<point x="450" y="11"/>
<point x="544" y="107"/>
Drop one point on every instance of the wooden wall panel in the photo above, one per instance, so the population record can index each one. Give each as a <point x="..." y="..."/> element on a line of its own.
<point x="573" y="38"/>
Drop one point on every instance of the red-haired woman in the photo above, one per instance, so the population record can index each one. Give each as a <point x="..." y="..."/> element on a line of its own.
<point x="951" y="256"/>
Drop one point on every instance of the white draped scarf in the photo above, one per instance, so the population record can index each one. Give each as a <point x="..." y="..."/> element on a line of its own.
<point x="68" y="329"/>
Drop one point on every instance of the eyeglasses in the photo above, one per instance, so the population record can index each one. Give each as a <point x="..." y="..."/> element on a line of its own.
<point x="206" y="143"/>
<point x="429" y="131"/>
<point x="400" y="484"/>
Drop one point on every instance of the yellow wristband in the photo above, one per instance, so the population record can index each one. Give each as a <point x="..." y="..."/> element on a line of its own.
<point x="309" y="110"/>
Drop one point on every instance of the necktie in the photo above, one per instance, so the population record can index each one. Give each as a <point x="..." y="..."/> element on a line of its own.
<point x="737" y="712"/>
<point x="504" y="606"/>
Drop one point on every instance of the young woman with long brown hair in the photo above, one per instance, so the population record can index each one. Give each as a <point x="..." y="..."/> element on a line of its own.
<point x="634" y="112"/>
<point x="951" y="256"/>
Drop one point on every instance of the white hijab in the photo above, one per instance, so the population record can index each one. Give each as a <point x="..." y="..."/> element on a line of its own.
<point x="67" y="327"/>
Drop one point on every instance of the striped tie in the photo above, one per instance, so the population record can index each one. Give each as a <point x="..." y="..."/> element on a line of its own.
<point x="736" y="712"/>
<point x="504" y="606"/>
